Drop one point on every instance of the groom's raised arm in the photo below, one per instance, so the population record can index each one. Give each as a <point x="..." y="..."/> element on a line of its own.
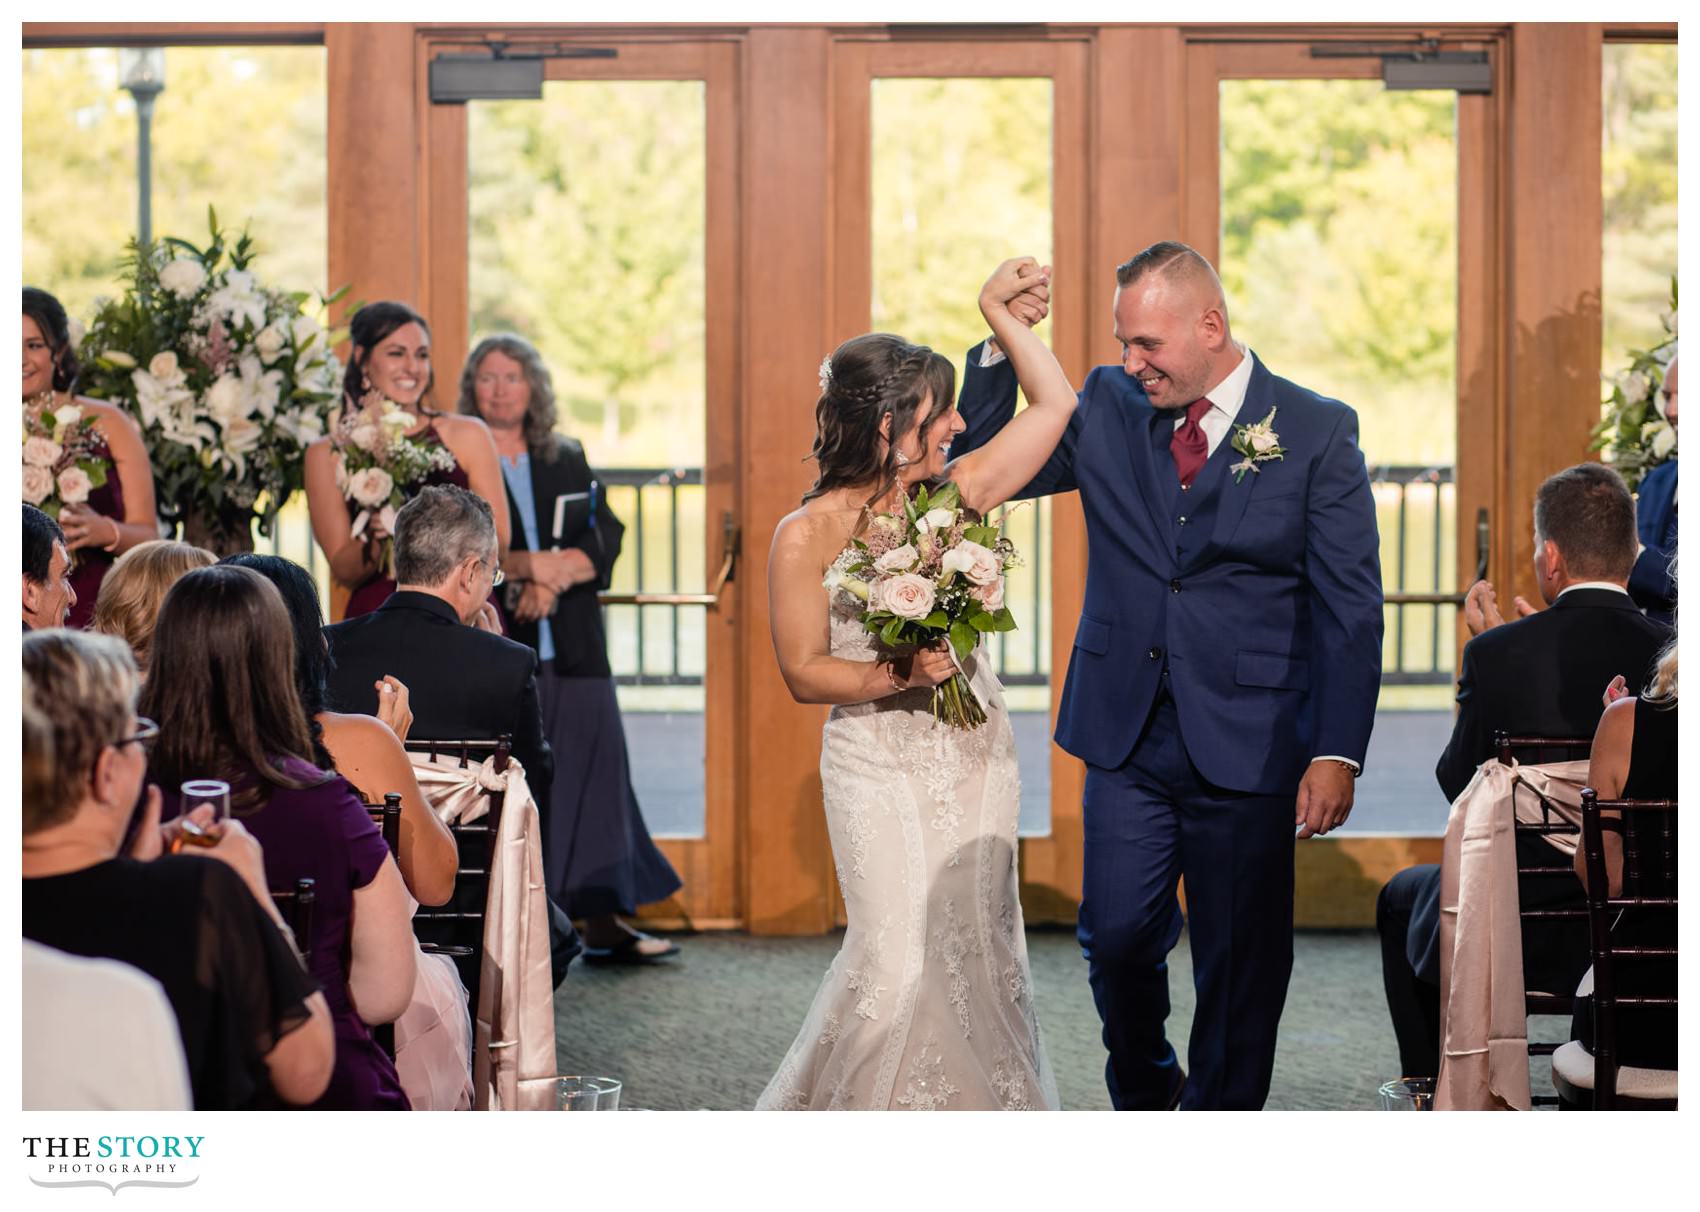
<point x="987" y="404"/>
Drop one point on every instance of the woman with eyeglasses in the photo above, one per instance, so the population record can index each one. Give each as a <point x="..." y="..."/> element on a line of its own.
<point x="223" y="689"/>
<point x="256" y="1031"/>
<point x="597" y="850"/>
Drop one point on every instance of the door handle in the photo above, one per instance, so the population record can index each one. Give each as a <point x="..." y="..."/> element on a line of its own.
<point x="731" y="540"/>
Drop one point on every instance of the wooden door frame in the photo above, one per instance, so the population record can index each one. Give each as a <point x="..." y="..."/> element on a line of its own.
<point x="1050" y="865"/>
<point x="709" y="865"/>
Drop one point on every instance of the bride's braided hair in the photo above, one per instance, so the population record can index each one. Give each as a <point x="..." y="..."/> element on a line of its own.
<point x="864" y="379"/>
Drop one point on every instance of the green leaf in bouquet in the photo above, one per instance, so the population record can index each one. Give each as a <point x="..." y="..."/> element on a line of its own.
<point x="947" y="496"/>
<point x="985" y="536"/>
<point x="96" y="470"/>
<point x="1003" y="619"/>
<point x="963" y="637"/>
<point x="936" y="621"/>
<point x="980" y="620"/>
<point x="185" y="246"/>
<point x="336" y="295"/>
<point x="891" y="632"/>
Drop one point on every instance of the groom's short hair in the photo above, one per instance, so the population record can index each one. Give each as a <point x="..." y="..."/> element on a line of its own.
<point x="1588" y="512"/>
<point x="1171" y="259"/>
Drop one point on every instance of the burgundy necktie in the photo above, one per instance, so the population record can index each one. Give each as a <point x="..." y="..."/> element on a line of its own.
<point x="1189" y="444"/>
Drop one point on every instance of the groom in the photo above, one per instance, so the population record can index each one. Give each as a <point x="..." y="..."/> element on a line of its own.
<point x="1224" y="674"/>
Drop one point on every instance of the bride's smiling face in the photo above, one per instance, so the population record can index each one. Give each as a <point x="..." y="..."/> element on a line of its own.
<point x="928" y="450"/>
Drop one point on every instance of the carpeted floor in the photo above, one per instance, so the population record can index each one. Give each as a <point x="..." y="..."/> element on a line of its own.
<point x="706" y="1029"/>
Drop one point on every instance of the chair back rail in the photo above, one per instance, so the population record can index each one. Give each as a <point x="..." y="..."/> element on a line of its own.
<point x="296" y="905"/>
<point x="456" y="928"/>
<point x="1649" y="866"/>
<point x="387" y="816"/>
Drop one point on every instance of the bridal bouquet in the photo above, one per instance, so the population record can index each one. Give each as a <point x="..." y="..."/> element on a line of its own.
<point x="378" y="466"/>
<point x="927" y="573"/>
<point x="64" y="457"/>
<point x="229" y="379"/>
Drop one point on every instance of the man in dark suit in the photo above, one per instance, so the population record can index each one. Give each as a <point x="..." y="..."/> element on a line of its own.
<point x="1544" y="674"/>
<point x="1651" y="584"/>
<point x="1223" y="682"/>
<point x="437" y="633"/>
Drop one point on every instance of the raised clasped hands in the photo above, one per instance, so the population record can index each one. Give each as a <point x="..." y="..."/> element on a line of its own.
<point x="1481" y="608"/>
<point x="1019" y="286"/>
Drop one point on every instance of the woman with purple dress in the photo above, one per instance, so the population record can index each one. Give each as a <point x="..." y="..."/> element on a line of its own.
<point x="100" y="520"/>
<point x="224" y="692"/>
<point x="391" y="360"/>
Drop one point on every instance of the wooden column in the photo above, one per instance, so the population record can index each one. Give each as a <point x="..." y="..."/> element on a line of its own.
<point x="786" y="872"/>
<point x="1553" y="234"/>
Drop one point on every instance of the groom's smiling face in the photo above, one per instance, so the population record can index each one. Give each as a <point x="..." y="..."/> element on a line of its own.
<point x="1170" y="337"/>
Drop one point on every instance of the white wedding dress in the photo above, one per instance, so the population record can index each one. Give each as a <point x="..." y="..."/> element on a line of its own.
<point x="929" y="1003"/>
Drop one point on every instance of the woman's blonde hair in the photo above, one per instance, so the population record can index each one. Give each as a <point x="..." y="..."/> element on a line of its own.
<point x="84" y="688"/>
<point x="131" y="593"/>
<point x="1662" y="689"/>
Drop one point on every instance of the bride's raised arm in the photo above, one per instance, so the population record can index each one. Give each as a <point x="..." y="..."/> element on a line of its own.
<point x="989" y="475"/>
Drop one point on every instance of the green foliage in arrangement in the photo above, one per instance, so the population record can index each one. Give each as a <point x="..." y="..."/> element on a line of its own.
<point x="1634" y="433"/>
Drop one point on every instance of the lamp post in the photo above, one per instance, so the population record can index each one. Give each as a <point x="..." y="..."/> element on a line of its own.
<point x="141" y="73"/>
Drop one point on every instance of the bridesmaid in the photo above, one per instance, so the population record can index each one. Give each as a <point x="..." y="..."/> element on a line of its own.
<point x="599" y="859"/>
<point x="120" y="513"/>
<point x="391" y="355"/>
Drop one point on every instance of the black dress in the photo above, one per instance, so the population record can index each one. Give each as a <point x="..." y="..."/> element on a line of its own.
<point x="191" y="924"/>
<point x="598" y="856"/>
<point x="1646" y="1035"/>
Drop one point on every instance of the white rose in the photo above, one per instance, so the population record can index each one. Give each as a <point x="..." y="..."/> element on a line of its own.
<point x="68" y="415"/>
<point x="979" y="564"/>
<point x="270" y="342"/>
<point x="991" y="596"/>
<point x="41" y="452"/>
<point x="936" y="519"/>
<point x="898" y="559"/>
<point x="1262" y="441"/>
<point x="226" y="399"/>
<point x="367" y="437"/>
<point x="182" y="277"/>
<point x="304" y="328"/>
<point x="398" y="420"/>
<point x="163" y="365"/>
<point x="371" y="487"/>
<point x="908" y="596"/>
<point x="74" y="486"/>
<point x="1664" y="442"/>
<point x="38" y="484"/>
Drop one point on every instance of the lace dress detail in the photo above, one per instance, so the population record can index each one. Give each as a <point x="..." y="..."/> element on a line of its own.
<point x="928" y="1005"/>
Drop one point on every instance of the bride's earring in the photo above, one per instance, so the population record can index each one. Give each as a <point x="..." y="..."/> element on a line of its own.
<point x="901" y="459"/>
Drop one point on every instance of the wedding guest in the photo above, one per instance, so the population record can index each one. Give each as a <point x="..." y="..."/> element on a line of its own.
<point x="224" y="693"/>
<point x="1653" y="584"/>
<point x="130" y="595"/>
<point x="434" y="1035"/>
<point x="601" y="861"/>
<point x="101" y="1034"/>
<point x="391" y="358"/>
<point x="252" y="1024"/>
<point x="1635" y="758"/>
<point x="1540" y="675"/>
<point x="48" y="592"/>
<point x="99" y="520"/>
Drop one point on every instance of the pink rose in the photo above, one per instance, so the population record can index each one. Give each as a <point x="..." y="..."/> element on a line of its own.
<point x="41" y="452"/>
<point x="990" y="596"/>
<point x="38" y="484"/>
<point x="74" y="486"/>
<point x="979" y="564"/>
<point x="908" y="596"/>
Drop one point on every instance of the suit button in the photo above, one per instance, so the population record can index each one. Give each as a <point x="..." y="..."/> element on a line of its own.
<point x="1182" y="519"/>
<point x="1155" y="653"/>
<point x="1174" y="586"/>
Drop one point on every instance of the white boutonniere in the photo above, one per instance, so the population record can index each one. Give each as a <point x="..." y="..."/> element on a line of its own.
<point x="1259" y="443"/>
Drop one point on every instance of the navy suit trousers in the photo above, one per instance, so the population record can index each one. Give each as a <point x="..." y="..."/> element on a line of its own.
<point x="1149" y="823"/>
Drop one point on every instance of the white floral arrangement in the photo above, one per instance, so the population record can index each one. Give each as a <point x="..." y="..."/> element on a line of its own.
<point x="1634" y="433"/>
<point x="229" y="379"/>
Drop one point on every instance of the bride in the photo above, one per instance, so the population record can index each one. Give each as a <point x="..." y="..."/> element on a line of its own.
<point x="928" y="1005"/>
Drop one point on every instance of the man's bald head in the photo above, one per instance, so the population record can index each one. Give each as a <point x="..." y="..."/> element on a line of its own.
<point x="1180" y="269"/>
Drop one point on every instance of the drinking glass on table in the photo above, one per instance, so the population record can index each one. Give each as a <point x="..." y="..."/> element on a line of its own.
<point x="587" y="1093"/>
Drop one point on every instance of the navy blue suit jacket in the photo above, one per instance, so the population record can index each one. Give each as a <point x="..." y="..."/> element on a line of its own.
<point x="1650" y="583"/>
<point x="1270" y="627"/>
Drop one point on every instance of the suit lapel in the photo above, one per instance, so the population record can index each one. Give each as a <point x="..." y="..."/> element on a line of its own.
<point x="1232" y="498"/>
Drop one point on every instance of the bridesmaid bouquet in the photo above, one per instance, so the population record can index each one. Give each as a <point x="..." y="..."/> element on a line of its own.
<point x="929" y="572"/>
<point x="64" y="458"/>
<point x="378" y="466"/>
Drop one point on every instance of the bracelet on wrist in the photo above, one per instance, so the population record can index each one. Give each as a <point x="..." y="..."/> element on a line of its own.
<point x="117" y="536"/>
